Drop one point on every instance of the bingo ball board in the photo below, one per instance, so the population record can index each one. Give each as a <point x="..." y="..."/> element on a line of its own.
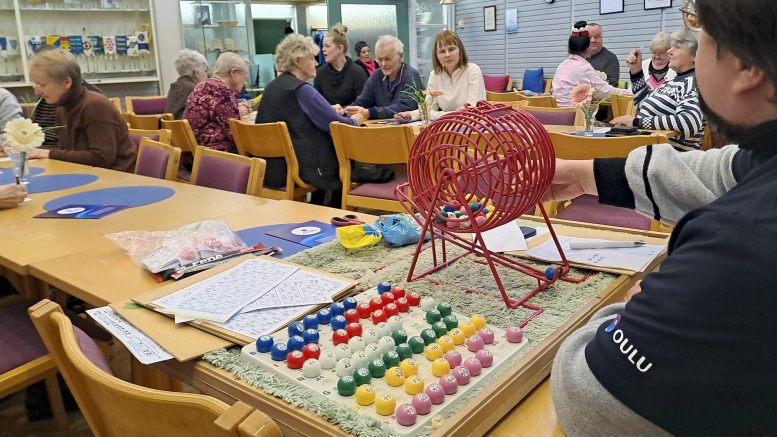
<point x="389" y="355"/>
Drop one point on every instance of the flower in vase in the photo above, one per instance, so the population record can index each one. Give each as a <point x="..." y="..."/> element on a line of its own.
<point x="23" y="135"/>
<point x="581" y="95"/>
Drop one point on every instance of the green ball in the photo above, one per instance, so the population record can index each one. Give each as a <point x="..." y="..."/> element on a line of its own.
<point x="399" y="336"/>
<point x="450" y="321"/>
<point x="444" y="309"/>
<point x="440" y="329"/>
<point x="346" y="386"/>
<point x="433" y="316"/>
<point x="362" y="376"/>
<point x="429" y="336"/>
<point x="416" y="344"/>
<point x="405" y="351"/>
<point x="391" y="359"/>
<point x="377" y="368"/>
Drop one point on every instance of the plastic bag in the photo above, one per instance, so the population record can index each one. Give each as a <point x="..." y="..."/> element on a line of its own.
<point x="399" y="229"/>
<point x="358" y="236"/>
<point x="156" y="251"/>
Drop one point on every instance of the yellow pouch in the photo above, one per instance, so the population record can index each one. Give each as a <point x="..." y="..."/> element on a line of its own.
<point x="358" y="236"/>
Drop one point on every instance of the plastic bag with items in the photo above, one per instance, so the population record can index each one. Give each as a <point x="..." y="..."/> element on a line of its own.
<point x="399" y="229"/>
<point x="157" y="251"/>
<point x="358" y="236"/>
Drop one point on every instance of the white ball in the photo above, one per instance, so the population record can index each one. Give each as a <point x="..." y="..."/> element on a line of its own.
<point x="428" y="303"/>
<point x="342" y="350"/>
<point x="386" y="344"/>
<point x="356" y="344"/>
<point x="395" y="323"/>
<point x="327" y="360"/>
<point x="373" y="351"/>
<point x="383" y="329"/>
<point x="344" y="367"/>
<point x="370" y="336"/>
<point x="311" y="368"/>
<point x="360" y="359"/>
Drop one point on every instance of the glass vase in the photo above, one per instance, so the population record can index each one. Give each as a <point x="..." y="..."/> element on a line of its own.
<point x="589" y="117"/>
<point x="21" y="167"/>
<point x="424" y="114"/>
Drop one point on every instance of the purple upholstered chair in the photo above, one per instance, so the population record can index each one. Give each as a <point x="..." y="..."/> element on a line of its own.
<point x="146" y="105"/>
<point x="228" y="171"/>
<point x="157" y="160"/>
<point x="587" y="209"/>
<point x="553" y="116"/>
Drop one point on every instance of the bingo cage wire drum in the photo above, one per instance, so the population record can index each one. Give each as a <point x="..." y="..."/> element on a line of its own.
<point x="477" y="169"/>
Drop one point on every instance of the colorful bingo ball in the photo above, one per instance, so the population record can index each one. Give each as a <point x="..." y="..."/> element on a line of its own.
<point x="428" y="303"/>
<point x="453" y="358"/>
<point x="398" y="292"/>
<point x="461" y="374"/>
<point x="311" y="336"/>
<point x="444" y="309"/>
<point x="413" y="298"/>
<point x="295" y="343"/>
<point x="354" y="329"/>
<point x="514" y="334"/>
<point x="478" y="321"/>
<point x="474" y="343"/>
<point x="377" y="368"/>
<point x="337" y="309"/>
<point x="433" y="316"/>
<point x="310" y="322"/>
<point x="351" y="316"/>
<point x="364" y="310"/>
<point x="387" y="298"/>
<point x="439" y="328"/>
<point x="386" y="344"/>
<point x="356" y="344"/>
<point x="362" y="376"/>
<point x="433" y="351"/>
<point x="328" y="360"/>
<point x="311" y="350"/>
<point x="409" y="367"/>
<point x="324" y="316"/>
<point x="264" y="343"/>
<point x="370" y="335"/>
<point x="339" y="322"/>
<point x="349" y="303"/>
<point x="449" y="384"/>
<point x="391" y="358"/>
<point x="342" y="351"/>
<point x="391" y="309"/>
<point x="360" y="359"/>
<point x="550" y="273"/>
<point x="385" y="404"/>
<point x="473" y="365"/>
<point x="422" y="403"/>
<point x="379" y="316"/>
<point x="340" y="336"/>
<point x="485" y="358"/>
<point x="429" y="336"/>
<point x="404" y="351"/>
<point x="417" y="344"/>
<point x="406" y="415"/>
<point x="436" y="393"/>
<point x="446" y="343"/>
<point x="365" y="395"/>
<point x="486" y="334"/>
<point x="394" y="323"/>
<point x="395" y="377"/>
<point x="440" y="367"/>
<point x="373" y="351"/>
<point x="467" y="328"/>
<point x="399" y="336"/>
<point x="295" y="359"/>
<point x="383" y="329"/>
<point x="384" y="287"/>
<point x="311" y="368"/>
<point x="457" y="335"/>
<point x="450" y="321"/>
<point x="295" y="328"/>
<point x="278" y="352"/>
<point x="344" y="367"/>
<point x="403" y="305"/>
<point x="346" y="386"/>
<point x="376" y="304"/>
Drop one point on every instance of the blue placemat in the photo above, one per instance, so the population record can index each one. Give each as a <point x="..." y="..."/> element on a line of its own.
<point x="54" y="182"/>
<point x="9" y="177"/>
<point x="130" y="196"/>
<point x="252" y="236"/>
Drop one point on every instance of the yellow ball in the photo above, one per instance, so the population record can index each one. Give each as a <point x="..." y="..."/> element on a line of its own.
<point x="440" y="367"/>
<point x="395" y="377"/>
<point x="458" y="336"/>
<point x="365" y="395"/>
<point x="414" y="385"/>
<point x="385" y="405"/>
<point x="478" y="321"/>
<point x="409" y="367"/>
<point x="467" y="328"/>
<point x="433" y="351"/>
<point x="446" y="343"/>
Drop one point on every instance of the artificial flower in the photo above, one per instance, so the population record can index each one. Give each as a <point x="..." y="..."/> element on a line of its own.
<point x="23" y="135"/>
<point x="581" y="95"/>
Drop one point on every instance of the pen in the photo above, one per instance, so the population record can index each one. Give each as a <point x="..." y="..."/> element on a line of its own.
<point x="578" y="245"/>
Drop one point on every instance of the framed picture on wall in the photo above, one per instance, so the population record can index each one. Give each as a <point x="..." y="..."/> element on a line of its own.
<point x="610" y="6"/>
<point x="202" y="15"/>
<point x="658" y="4"/>
<point x="489" y="18"/>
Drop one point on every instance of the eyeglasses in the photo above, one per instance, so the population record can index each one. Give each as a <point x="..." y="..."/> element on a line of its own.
<point x="690" y="18"/>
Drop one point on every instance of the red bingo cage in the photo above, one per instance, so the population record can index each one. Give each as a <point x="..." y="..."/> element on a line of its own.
<point x="477" y="169"/>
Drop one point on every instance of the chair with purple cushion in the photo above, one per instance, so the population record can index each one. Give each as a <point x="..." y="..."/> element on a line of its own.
<point x="114" y="407"/>
<point x="157" y="160"/>
<point x="146" y="122"/>
<point x="146" y="105"/>
<point x="228" y="171"/>
<point x="371" y="145"/>
<point x="556" y="116"/>
<point x="161" y="135"/>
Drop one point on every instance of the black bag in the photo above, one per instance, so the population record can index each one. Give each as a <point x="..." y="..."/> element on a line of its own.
<point x="371" y="173"/>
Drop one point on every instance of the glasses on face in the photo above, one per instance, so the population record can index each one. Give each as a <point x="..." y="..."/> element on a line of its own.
<point x="690" y="18"/>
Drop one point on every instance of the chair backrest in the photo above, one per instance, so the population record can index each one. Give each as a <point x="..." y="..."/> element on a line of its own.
<point x="497" y="83"/>
<point x="112" y="406"/>
<point x="542" y="101"/>
<point x="182" y="134"/>
<point x="157" y="160"/>
<point x="228" y="171"/>
<point x="161" y="135"/>
<point x="504" y="97"/>
<point x="146" y="105"/>
<point x="548" y="86"/>
<point x="556" y="116"/>
<point x="581" y="147"/>
<point x="620" y="104"/>
<point x="26" y="109"/>
<point x="148" y="122"/>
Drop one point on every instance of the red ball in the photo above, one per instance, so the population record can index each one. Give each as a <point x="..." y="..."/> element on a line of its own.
<point x="379" y="316"/>
<point x="351" y="315"/>
<point x="340" y="336"/>
<point x="354" y="330"/>
<point x="364" y="310"/>
<point x="398" y="292"/>
<point x="387" y="298"/>
<point x="402" y="305"/>
<point x="391" y="309"/>
<point x="376" y="304"/>
<point x="311" y="350"/>
<point x="414" y="299"/>
<point x="295" y="360"/>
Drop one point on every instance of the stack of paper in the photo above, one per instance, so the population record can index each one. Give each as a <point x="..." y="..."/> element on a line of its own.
<point x="633" y="258"/>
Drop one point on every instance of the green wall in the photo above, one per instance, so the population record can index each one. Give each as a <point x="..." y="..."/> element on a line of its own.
<point x="334" y="16"/>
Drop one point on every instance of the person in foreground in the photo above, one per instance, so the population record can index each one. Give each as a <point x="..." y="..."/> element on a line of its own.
<point x="93" y="131"/>
<point x="690" y="353"/>
<point x="289" y="98"/>
<point x="12" y="195"/>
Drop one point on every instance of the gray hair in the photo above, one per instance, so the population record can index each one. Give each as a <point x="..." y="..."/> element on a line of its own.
<point x="227" y="62"/>
<point x="390" y="39"/>
<point x="686" y="38"/>
<point x="662" y="41"/>
<point x="189" y="61"/>
<point x="57" y="64"/>
<point x="291" y="48"/>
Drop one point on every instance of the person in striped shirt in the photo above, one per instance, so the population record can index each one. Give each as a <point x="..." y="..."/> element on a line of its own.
<point x="675" y="104"/>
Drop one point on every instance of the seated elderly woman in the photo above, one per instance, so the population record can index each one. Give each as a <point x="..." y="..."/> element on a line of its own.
<point x="9" y="109"/>
<point x="457" y="80"/>
<point x="214" y="102"/>
<point x="655" y="70"/>
<point x="339" y="80"/>
<point x="192" y="68"/>
<point x="575" y="70"/>
<point x="383" y="96"/>
<point x="675" y="104"/>
<point x="93" y="132"/>
<point x="289" y="98"/>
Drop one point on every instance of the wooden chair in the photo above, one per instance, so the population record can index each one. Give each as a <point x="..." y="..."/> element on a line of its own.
<point x="509" y="86"/>
<point x="372" y="145"/>
<point x="150" y="122"/>
<point x="182" y="134"/>
<point x="150" y="105"/>
<point x="541" y="101"/>
<point x="271" y="140"/>
<point x="228" y="171"/>
<point x="548" y="86"/>
<point x="113" y="407"/>
<point x="504" y="97"/>
<point x="157" y="159"/>
<point x="620" y="105"/>
<point x="555" y="116"/>
<point x="161" y="135"/>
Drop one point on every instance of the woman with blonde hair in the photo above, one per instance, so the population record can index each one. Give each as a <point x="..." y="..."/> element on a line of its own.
<point x="289" y="98"/>
<point x="339" y="80"/>
<point x="454" y="82"/>
<point x="213" y="102"/>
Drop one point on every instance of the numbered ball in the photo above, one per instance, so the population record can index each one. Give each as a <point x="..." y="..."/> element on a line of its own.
<point x="446" y="343"/>
<point x="385" y="404"/>
<point x="311" y="336"/>
<point x="360" y="359"/>
<point x="409" y="367"/>
<point x="433" y="316"/>
<point x="373" y="351"/>
<point x="346" y="386"/>
<point x="383" y="329"/>
<point x="474" y="343"/>
<point x="485" y="358"/>
<point x="377" y="368"/>
<point x="444" y="309"/>
<point x="514" y="334"/>
<point x="311" y="350"/>
<point x="386" y="344"/>
<point x="342" y="351"/>
<point x="365" y="395"/>
<point x="395" y="377"/>
<point x="428" y="303"/>
<point x="356" y="344"/>
<point x="461" y="374"/>
<point x="406" y="415"/>
<point x="416" y="344"/>
<point x="384" y="287"/>
<point x="422" y="403"/>
<point x="453" y="358"/>
<point x="349" y="303"/>
<point x="339" y="322"/>
<point x="467" y="328"/>
<point x="486" y="334"/>
<point x="457" y="335"/>
<point x="295" y="328"/>
<point x="370" y="335"/>
<point x="344" y="367"/>
<point x="473" y="365"/>
<point x="340" y="336"/>
<point x="310" y="322"/>
<point x="351" y="316"/>
<point x="436" y="393"/>
<point x="440" y="367"/>
<point x="311" y="368"/>
<point x="449" y="384"/>
<point x="324" y="316"/>
<point x="337" y="309"/>
<point x="264" y="343"/>
<point x="279" y="351"/>
<point x="433" y="352"/>
<point x="295" y="359"/>
<point x="328" y="360"/>
<point x="478" y="321"/>
<point x="394" y="323"/>
<point x="362" y="376"/>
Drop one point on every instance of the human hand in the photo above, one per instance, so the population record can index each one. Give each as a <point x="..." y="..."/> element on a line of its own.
<point x="12" y="195"/>
<point x="338" y="109"/>
<point x="572" y="179"/>
<point x="358" y="117"/>
<point x="244" y="108"/>
<point x="350" y="110"/>
<point x="403" y="117"/>
<point x="623" y="120"/>
<point x="38" y="154"/>
<point x="633" y="290"/>
<point x="634" y="61"/>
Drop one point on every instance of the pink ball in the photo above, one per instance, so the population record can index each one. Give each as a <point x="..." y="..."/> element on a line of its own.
<point x="436" y="393"/>
<point x="453" y="358"/>
<point x="485" y="358"/>
<point x="474" y="343"/>
<point x="452" y="225"/>
<point x="487" y="335"/>
<point x="514" y="334"/>
<point x="461" y="375"/>
<point x="449" y="384"/>
<point x="481" y="220"/>
<point x="422" y="403"/>
<point x="473" y="365"/>
<point x="406" y="415"/>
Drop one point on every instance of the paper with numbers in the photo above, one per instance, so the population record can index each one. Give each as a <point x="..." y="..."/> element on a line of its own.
<point x="632" y="258"/>
<point x="142" y="347"/>
<point x="301" y="288"/>
<point x="221" y="296"/>
<point x="263" y="322"/>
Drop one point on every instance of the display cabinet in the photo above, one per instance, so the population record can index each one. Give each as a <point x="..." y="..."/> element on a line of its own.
<point x="215" y="26"/>
<point x="430" y="19"/>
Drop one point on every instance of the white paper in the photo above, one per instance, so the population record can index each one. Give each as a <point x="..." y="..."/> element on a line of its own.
<point x="301" y="288"/>
<point x="631" y="258"/>
<point x="142" y="347"/>
<point x="262" y="322"/>
<point x="221" y="296"/>
<point x="505" y="238"/>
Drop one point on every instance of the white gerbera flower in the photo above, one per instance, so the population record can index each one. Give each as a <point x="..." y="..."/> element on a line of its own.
<point x="23" y="135"/>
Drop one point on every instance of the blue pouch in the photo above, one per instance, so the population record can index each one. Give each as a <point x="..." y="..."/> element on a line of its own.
<point x="399" y="230"/>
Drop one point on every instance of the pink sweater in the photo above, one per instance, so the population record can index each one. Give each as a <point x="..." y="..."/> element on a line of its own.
<point x="575" y="70"/>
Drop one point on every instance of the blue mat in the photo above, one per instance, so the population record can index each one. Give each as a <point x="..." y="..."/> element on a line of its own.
<point x="252" y="236"/>
<point x="9" y="177"/>
<point x="42" y="184"/>
<point x="130" y="196"/>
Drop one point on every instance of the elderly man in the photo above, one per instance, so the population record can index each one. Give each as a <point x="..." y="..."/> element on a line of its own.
<point x="690" y="354"/>
<point x="383" y="96"/>
<point x="600" y="58"/>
